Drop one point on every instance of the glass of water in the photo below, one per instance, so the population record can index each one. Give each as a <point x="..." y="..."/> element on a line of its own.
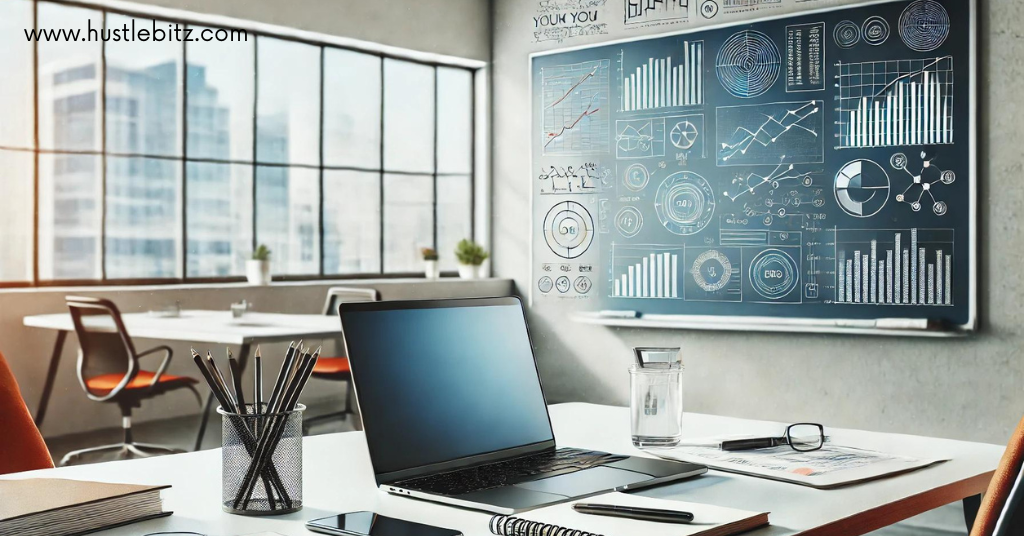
<point x="656" y="405"/>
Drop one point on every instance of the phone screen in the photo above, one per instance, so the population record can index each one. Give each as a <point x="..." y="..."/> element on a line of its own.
<point x="371" y="524"/>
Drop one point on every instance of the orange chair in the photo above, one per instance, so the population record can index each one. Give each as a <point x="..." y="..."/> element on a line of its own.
<point x="22" y="448"/>
<point x="109" y="371"/>
<point x="336" y="368"/>
<point x="1000" y="513"/>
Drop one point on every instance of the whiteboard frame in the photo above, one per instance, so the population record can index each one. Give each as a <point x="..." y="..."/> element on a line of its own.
<point x="880" y="326"/>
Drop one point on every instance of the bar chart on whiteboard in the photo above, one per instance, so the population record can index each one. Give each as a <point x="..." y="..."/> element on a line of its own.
<point x="898" y="102"/>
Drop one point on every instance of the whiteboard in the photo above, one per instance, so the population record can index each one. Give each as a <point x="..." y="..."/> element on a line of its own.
<point x="806" y="172"/>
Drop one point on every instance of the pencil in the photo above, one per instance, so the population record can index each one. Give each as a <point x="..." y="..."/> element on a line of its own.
<point x="236" y="379"/>
<point x="258" y="382"/>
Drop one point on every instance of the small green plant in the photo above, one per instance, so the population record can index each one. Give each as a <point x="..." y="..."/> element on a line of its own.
<point x="470" y="253"/>
<point x="262" y="253"/>
<point x="429" y="254"/>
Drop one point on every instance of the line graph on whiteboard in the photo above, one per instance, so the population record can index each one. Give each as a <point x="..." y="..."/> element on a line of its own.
<point x="895" y="103"/>
<point x="575" y="108"/>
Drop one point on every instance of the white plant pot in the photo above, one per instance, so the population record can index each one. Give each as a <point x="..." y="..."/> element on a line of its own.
<point x="469" y="271"/>
<point x="431" y="270"/>
<point x="257" y="272"/>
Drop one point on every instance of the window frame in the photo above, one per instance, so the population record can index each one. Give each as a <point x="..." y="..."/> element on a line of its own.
<point x="255" y="31"/>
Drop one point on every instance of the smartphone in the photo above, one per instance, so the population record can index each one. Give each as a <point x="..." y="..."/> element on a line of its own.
<point x="371" y="524"/>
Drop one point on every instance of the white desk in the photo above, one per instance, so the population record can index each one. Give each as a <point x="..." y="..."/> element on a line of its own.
<point x="215" y="327"/>
<point x="338" y="478"/>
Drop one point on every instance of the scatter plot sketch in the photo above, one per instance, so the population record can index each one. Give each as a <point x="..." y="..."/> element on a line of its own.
<point x="752" y="182"/>
<point x="773" y="133"/>
<point x="895" y="103"/>
<point x="923" y="182"/>
<point x="748" y="64"/>
<point x="575" y="108"/>
<point x="924" y="25"/>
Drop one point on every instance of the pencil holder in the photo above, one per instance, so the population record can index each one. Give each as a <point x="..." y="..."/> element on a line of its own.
<point x="261" y="471"/>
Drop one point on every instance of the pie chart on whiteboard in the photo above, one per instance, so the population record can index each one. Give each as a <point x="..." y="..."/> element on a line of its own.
<point x="862" y="188"/>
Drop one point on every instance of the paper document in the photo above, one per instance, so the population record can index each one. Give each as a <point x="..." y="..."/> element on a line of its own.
<point x="829" y="467"/>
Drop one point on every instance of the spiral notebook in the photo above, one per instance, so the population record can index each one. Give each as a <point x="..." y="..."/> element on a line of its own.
<point x="708" y="520"/>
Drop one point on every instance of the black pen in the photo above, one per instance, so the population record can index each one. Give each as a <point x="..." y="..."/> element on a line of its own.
<point x="632" y="512"/>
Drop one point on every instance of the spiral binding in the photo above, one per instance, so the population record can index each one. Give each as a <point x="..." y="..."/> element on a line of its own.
<point x="513" y="526"/>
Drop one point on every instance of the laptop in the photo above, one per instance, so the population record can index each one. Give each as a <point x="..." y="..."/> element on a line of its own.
<point x="454" y="412"/>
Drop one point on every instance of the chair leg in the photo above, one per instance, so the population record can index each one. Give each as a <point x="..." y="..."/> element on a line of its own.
<point x="338" y="415"/>
<point x="119" y="447"/>
<point x="127" y="448"/>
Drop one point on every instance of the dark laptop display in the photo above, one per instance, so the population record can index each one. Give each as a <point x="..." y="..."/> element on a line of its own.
<point x="438" y="384"/>
<point x="454" y="411"/>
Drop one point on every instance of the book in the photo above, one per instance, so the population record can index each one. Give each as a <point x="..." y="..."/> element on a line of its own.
<point x="561" y="519"/>
<point x="58" y="507"/>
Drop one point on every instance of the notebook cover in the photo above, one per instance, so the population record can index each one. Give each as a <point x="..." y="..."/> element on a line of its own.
<point x="708" y="520"/>
<point x="27" y="497"/>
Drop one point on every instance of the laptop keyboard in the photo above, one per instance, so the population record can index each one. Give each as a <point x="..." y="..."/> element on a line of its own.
<point x="544" y="465"/>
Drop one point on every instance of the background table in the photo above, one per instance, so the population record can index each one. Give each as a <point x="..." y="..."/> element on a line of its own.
<point x="338" y="478"/>
<point x="215" y="327"/>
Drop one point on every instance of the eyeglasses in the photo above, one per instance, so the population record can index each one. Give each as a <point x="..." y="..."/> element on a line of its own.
<point x="801" y="437"/>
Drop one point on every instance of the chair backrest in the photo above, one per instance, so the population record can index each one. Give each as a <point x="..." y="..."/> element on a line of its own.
<point x="105" y="346"/>
<point x="999" y="508"/>
<point x="22" y="448"/>
<point x="339" y="295"/>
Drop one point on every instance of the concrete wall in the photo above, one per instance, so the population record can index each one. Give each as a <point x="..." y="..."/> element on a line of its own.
<point x="969" y="389"/>
<point x="28" y="349"/>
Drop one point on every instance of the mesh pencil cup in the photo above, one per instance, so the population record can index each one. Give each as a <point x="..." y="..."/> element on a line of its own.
<point x="261" y="462"/>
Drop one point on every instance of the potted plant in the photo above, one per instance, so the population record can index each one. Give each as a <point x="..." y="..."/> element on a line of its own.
<point x="471" y="255"/>
<point x="430" y="269"/>
<point x="257" y="269"/>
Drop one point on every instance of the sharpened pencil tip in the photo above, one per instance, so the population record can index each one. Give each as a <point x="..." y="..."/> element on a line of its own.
<point x="229" y="353"/>
<point x="258" y="351"/>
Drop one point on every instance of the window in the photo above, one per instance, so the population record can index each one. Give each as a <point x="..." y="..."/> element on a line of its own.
<point x="168" y="161"/>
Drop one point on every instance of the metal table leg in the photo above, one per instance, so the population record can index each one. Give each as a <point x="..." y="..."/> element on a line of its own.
<point x="51" y="376"/>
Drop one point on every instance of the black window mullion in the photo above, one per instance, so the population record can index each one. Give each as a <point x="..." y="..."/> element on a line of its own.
<point x="472" y="155"/>
<point x="255" y="133"/>
<point x="434" y="176"/>
<point x="323" y="53"/>
<point x="35" y="147"/>
<point x="103" y="151"/>
<point x="184" y="159"/>
<point x="381" y="184"/>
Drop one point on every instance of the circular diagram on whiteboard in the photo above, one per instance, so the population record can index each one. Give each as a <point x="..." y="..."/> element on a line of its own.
<point x="924" y="25"/>
<point x="711" y="270"/>
<point x="683" y="135"/>
<point x="685" y="203"/>
<point x="636" y="177"/>
<point x="875" y="30"/>
<point x="748" y="64"/>
<point x="861" y="188"/>
<point x="846" y="34"/>
<point x="774" y="274"/>
<point x="629" y="221"/>
<point x="569" y="229"/>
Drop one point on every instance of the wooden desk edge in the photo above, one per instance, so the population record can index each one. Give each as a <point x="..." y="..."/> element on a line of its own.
<point x="892" y="513"/>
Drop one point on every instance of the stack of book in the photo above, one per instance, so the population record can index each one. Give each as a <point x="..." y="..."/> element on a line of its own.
<point x="57" y="507"/>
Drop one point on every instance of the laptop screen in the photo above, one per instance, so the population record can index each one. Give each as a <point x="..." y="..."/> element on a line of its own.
<point x="443" y="380"/>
